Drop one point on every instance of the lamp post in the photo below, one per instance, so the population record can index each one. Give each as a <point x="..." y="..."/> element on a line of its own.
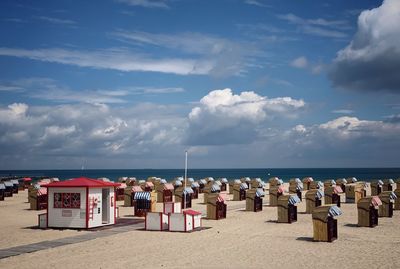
<point x="184" y="188"/>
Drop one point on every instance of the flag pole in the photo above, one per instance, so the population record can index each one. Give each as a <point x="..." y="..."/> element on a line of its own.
<point x="184" y="193"/>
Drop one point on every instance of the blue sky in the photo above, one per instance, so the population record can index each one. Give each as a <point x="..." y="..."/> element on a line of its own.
<point x="239" y="83"/>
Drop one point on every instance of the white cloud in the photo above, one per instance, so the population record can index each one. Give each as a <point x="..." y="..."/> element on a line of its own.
<point x="256" y="3"/>
<point x="349" y="129"/>
<point x="371" y="60"/>
<point x="115" y="59"/>
<point x="220" y="129"/>
<point x="300" y="128"/>
<point x="317" y="69"/>
<point x="282" y="82"/>
<point x="163" y="90"/>
<point x="13" y="112"/>
<point x="223" y="117"/>
<point x="18" y="109"/>
<point x="318" y="27"/>
<point x="343" y="111"/>
<point x="318" y="31"/>
<point x="300" y="62"/>
<point x="324" y="22"/>
<point x="72" y="131"/>
<point x="343" y="142"/>
<point x="393" y="118"/>
<point x="225" y="57"/>
<point x="303" y="63"/>
<point x="85" y="96"/>
<point x="346" y="126"/>
<point x="189" y="42"/>
<point x="56" y="20"/>
<point x="6" y="88"/>
<point x="146" y="3"/>
<point x="51" y="90"/>
<point x="80" y="129"/>
<point x="55" y="130"/>
<point x="114" y="126"/>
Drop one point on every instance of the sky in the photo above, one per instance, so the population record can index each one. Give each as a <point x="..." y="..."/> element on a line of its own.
<point x="236" y="83"/>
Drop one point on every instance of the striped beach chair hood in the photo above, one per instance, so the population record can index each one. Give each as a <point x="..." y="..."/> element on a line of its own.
<point x="188" y="190"/>
<point x="293" y="200"/>
<point x="243" y="186"/>
<point x="319" y="194"/>
<point x="260" y="192"/>
<point x="215" y="188"/>
<point x="143" y="195"/>
<point x="224" y="180"/>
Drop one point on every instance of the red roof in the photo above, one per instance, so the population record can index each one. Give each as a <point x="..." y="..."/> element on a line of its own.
<point x="337" y="189"/>
<point x="168" y="186"/>
<point x="281" y="189"/>
<point x="149" y="184"/>
<point x="192" y="212"/>
<point x="375" y="201"/>
<point x="122" y="186"/>
<point x="136" y="189"/>
<point x="82" y="182"/>
<point x="220" y="198"/>
<point x="42" y="191"/>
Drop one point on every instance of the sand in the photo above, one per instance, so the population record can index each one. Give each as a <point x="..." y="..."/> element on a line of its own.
<point x="243" y="240"/>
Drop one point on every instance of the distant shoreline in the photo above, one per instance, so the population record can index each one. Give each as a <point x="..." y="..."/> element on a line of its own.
<point x="289" y="168"/>
<point x="366" y="174"/>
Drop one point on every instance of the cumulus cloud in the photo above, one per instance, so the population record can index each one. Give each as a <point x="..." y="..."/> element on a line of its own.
<point x="18" y="109"/>
<point x="372" y="59"/>
<point x="342" y="142"/>
<point x="344" y="131"/>
<point x="13" y="112"/>
<point x="72" y="131"/>
<point x="218" y="131"/>
<point x="393" y="118"/>
<point x="223" y="117"/>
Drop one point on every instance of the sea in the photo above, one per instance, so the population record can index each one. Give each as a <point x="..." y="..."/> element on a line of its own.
<point x="364" y="174"/>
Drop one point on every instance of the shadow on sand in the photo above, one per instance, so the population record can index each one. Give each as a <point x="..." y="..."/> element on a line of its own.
<point x="304" y="238"/>
<point x="303" y="213"/>
<point x="351" y="225"/>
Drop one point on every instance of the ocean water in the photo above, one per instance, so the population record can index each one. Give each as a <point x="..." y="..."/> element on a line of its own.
<point x="365" y="174"/>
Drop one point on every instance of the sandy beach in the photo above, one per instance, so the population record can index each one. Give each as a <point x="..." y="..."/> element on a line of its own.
<point x="242" y="240"/>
